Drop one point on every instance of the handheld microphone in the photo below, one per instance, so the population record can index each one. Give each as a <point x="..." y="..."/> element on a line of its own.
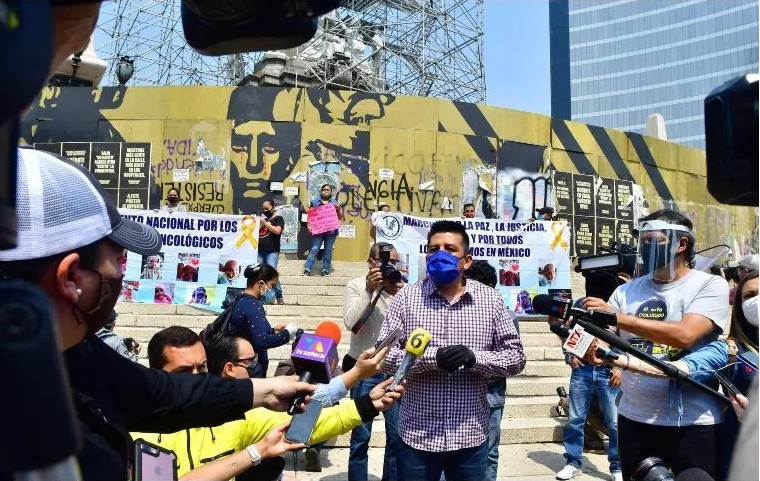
<point x="563" y="309"/>
<point x="315" y="358"/>
<point x="415" y="347"/>
<point x="579" y="341"/>
<point x="544" y="304"/>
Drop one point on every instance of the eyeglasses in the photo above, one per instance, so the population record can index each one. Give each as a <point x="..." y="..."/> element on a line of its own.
<point x="246" y="362"/>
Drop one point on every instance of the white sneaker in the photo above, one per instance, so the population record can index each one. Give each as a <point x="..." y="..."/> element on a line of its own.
<point x="568" y="472"/>
<point x="616" y="476"/>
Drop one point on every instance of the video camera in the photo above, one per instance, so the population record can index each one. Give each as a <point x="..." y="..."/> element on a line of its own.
<point x="731" y="141"/>
<point x="617" y="258"/>
<point x="387" y="269"/>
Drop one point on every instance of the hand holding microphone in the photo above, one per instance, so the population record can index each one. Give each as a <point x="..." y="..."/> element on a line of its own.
<point x="451" y="358"/>
<point x="415" y="347"/>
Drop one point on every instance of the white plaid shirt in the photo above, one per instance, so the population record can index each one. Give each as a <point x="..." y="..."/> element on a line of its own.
<point x="443" y="411"/>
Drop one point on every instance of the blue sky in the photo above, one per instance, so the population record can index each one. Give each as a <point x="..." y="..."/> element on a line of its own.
<point x="517" y="55"/>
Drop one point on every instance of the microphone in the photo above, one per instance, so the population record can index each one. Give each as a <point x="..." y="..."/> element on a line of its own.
<point x="556" y="307"/>
<point x="415" y="347"/>
<point x="563" y="309"/>
<point x="315" y="358"/>
<point x="694" y="474"/>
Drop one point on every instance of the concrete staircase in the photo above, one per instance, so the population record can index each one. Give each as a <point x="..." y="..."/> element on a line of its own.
<point x="310" y="300"/>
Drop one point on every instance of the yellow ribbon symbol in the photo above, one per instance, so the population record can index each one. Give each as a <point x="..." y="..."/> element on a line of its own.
<point x="558" y="228"/>
<point x="247" y="225"/>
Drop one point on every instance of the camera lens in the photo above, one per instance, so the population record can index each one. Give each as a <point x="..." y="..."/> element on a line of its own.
<point x="652" y="469"/>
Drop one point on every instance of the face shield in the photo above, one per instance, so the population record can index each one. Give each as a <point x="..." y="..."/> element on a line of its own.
<point x="658" y="248"/>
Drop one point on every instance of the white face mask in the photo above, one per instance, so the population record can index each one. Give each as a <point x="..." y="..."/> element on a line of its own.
<point x="749" y="308"/>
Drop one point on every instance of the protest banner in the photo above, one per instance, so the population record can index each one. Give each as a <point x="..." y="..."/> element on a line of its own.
<point x="201" y="262"/>
<point x="323" y="219"/>
<point x="529" y="257"/>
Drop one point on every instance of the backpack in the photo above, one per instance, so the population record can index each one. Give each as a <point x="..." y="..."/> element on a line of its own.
<point x="222" y="323"/>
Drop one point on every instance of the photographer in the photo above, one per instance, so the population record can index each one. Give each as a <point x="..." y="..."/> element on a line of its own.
<point x="366" y="299"/>
<point x="669" y="310"/>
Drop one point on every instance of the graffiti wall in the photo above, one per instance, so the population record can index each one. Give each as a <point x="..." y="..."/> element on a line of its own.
<point x="228" y="149"/>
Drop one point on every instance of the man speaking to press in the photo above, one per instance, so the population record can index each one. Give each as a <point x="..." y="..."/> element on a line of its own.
<point x="444" y="417"/>
<point x="669" y="310"/>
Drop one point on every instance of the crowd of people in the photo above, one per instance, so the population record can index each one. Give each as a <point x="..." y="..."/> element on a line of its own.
<point x="211" y="402"/>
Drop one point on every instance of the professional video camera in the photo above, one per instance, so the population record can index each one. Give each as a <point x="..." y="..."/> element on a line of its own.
<point x="28" y="345"/>
<point x="731" y="141"/>
<point x="655" y="469"/>
<point x="387" y="269"/>
<point x="618" y="257"/>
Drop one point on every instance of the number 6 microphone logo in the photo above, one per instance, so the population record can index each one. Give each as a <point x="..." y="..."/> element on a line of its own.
<point x="418" y="341"/>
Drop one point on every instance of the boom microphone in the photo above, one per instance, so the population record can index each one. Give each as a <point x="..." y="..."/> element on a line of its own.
<point x="415" y="347"/>
<point x="314" y="358"/>
<point x="563" y="309"/>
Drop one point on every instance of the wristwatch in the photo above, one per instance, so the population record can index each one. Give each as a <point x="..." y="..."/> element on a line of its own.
<point x="254" y="454"/>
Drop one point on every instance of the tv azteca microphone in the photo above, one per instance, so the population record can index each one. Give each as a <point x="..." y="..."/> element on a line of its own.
<point x="315" y="358"/>
<point x="415" y="347"/>
<point x="563" y="309"/>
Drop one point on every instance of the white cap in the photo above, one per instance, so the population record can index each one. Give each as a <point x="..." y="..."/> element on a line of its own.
<point x="62" y="207"/>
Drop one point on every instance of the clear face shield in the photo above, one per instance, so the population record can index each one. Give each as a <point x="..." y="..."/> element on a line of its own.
<point x="658" y="248"/>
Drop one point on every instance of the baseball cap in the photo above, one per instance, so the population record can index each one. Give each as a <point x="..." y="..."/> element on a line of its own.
<point x="62" y="207"/>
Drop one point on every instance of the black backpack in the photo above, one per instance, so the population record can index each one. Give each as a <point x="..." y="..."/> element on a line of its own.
<point x="222" y="321"/>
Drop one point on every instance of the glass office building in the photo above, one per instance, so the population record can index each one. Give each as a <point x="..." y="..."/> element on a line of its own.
<point x="615" y="62"/>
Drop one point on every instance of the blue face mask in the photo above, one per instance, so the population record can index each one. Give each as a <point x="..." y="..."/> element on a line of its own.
<point x="266" y="296"/>
<point x="442" y="268"/>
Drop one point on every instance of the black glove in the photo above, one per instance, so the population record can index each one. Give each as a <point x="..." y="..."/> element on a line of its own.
<point x="451" y="358"/>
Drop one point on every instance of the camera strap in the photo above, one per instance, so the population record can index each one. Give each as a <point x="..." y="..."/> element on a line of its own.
<point x="367" y="312"/>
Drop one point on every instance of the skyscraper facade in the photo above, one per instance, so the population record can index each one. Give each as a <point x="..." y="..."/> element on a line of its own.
<point x="615" y="62"/>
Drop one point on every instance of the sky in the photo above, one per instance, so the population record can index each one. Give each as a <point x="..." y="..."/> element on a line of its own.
<point x="517" y="55"/>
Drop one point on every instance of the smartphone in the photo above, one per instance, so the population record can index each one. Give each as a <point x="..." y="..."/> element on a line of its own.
<point x="748" y="360"/>
<point x="154" y="463"/>
<point x="303" y="423"/>
<point x="392" y="339"/>
<point x="727" y="385"/>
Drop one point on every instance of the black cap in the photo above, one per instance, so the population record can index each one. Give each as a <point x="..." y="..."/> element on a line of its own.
<point x="545" y="210"/>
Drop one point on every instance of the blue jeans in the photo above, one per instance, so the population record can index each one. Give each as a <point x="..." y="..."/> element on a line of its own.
<point x="360" y="435"/>
<point x="328" y="238"/>
<point x="496" y="394"/>
<point x="494" y="437"/>
<point x="272" y="258"/>
<point x="461" y="465"/>
<point x="584" y="382"/>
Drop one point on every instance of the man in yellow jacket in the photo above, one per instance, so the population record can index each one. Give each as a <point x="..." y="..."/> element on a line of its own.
<point x="178" y="349"/>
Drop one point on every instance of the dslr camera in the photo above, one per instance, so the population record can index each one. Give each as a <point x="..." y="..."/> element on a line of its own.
<point x="387" y="269"/>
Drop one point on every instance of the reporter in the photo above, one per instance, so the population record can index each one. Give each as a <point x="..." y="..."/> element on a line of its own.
<point x="232" y="356"/>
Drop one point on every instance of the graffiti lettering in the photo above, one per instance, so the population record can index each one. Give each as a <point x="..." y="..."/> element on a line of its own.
<point x="360" y="202"/>
<point x="179" y="146"/>
<point x="527" y="188"/>
<point x="168" y="164"/>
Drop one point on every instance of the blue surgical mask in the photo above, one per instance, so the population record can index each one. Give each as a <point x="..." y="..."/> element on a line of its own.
<point x="266" y="295"/>
<point x="442" y="267"/>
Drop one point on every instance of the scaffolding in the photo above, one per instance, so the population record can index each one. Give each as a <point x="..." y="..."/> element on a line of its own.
<point x="413" y="47"/>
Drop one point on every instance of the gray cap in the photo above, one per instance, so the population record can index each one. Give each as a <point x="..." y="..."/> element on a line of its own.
<point x="749" y="262"/>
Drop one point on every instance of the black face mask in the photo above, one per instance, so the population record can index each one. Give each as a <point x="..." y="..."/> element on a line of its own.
<point x="98" y="316"/>
<point x="661" y="257"/>
<point x="255" y="371"/>
<point x="172" y="199"/>
<point x="268" y="214"/>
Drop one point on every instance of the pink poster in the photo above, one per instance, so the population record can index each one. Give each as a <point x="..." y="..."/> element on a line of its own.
<point x="323" y="219"/>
